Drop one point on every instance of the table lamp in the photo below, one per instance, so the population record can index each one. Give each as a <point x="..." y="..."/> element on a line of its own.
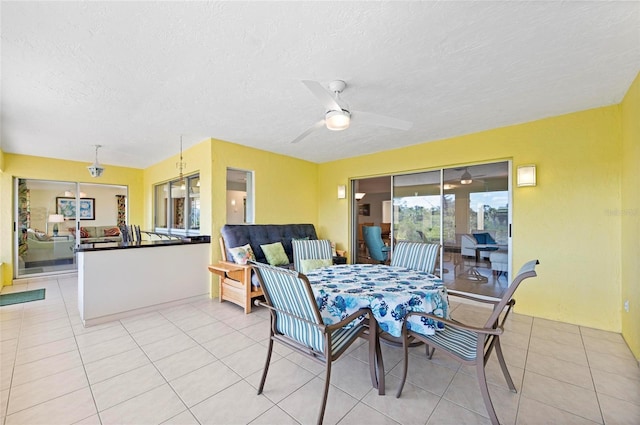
<point x="55" y="219"/>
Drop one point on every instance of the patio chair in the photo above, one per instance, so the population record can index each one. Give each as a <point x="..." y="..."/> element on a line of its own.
<point x="311" y="254"/>
<point x="297" y="324"/>
<point x="416" y="256"/>
<point x="468" y="344"/>
<point x="373" y="239"/>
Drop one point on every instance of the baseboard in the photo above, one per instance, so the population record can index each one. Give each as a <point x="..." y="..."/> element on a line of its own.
<point x="122" y="315"/>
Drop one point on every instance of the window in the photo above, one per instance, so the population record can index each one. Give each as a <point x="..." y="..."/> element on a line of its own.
<point x="177" y="206"/>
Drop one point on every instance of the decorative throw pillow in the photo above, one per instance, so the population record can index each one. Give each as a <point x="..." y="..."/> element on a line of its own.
<point x="489" y="239"/>
<point x="242" y="254"/>
<point x="41" y="236"/>
<point x="275" y="254"/>
<point x="312" y="264"/>
<point x="113" y="231"/>
<point x="72" y="230"/>
<point x="481" y="238"/>
<point x="84" y="233"/>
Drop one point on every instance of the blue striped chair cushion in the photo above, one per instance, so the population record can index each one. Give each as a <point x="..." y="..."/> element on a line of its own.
<point x="288" y="293"/>
<point x="343" y="336"/>
<point x="310" y="250"/>
<point x="461" y="342"/>
<point x="416" y="256"/>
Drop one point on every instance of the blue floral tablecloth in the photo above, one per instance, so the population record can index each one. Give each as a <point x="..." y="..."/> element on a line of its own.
<point x="390" y="292"/>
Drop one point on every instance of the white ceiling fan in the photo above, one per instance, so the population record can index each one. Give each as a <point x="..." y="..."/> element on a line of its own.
<point x="338" y="116"/>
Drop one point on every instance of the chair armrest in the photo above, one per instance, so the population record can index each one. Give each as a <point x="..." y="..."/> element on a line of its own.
<point x="489" y="331"/>
<point x="472" y="297"/>
<point x="227" y="266"/>
<point x="350" y="318"/>
<point x="322" y="327"/>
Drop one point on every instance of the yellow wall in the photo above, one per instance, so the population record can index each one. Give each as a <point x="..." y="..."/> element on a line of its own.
<point x="196" y="160"/>
<point x="34" y="167"/>
<point x="565" y="221"/>
<point x="280" y="197"/>
<point x="4" y="209"/>
<point x="630" y="216"/>
<point x="285" y="187"/>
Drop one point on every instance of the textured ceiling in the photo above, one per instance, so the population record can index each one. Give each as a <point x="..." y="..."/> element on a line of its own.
<point x="135" y="76"/>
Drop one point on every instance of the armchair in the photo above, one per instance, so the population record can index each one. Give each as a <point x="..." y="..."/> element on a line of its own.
<point x="416" y="256"/>
<point x="479" y="245"/>
<point x="373" y="239"/>
<point x="297" y="324"/>
<point x="310" y="254"/>
<point x="470" y="345"/>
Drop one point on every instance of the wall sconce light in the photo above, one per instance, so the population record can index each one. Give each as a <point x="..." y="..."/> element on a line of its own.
<point x="360" y="195"/>
<point x="342" y="191"/>
<point x="526" y="175"/>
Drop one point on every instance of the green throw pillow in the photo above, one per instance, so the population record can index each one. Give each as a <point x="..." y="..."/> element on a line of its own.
<point x="275" y="254"/>
<point x="309" y="265"/>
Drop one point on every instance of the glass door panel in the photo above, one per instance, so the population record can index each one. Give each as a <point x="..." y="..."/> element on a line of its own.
<point x="476" y="239"/>
<point x="44" y="245"/>
<point x="417" y="207"/>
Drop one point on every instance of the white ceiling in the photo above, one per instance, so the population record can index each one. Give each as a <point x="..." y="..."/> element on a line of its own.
<point x="135" y="76"/>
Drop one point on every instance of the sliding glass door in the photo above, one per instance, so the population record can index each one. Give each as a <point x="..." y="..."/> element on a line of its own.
<point x="464" y="209"/>
<point x="48" y="215"/>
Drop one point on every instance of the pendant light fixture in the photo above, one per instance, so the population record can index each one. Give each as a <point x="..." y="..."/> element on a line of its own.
<point x="181" y="165"/>
<point x="96" y="169"/>
<point x="466" y="177"/>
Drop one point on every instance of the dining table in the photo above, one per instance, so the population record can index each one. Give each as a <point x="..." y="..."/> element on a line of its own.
<point x="390" y="292"/>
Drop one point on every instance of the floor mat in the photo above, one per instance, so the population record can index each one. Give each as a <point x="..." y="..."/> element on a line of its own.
<point x="22" y="297"/>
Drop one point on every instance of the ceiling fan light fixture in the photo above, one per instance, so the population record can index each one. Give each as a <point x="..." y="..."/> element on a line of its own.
<point x="337" y="120"/>
<point x="466" y="178"/>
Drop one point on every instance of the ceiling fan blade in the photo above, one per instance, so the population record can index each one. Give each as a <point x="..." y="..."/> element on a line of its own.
<point x="308" y="131"/>
<point x="323" y="95"/>
<point x="381" y="120"/>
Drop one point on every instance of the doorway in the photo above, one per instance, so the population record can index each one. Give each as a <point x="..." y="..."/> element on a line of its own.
<point x="240" y="200"/>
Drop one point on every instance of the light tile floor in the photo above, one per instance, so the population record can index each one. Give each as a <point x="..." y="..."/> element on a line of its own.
<point x="201" y="363"/>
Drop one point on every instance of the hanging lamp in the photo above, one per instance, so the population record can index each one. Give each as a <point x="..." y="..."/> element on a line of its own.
<point x="96" y="169"/>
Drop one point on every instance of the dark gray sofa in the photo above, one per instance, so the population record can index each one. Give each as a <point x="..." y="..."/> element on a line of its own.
<point x="261" y="234"/>
<point x="236" y="282"/>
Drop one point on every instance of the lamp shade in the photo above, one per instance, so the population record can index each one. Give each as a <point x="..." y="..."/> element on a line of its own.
<point x="360" y="195"/>
<point x="56" y="218"/>
<point x="526" y="175"/>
